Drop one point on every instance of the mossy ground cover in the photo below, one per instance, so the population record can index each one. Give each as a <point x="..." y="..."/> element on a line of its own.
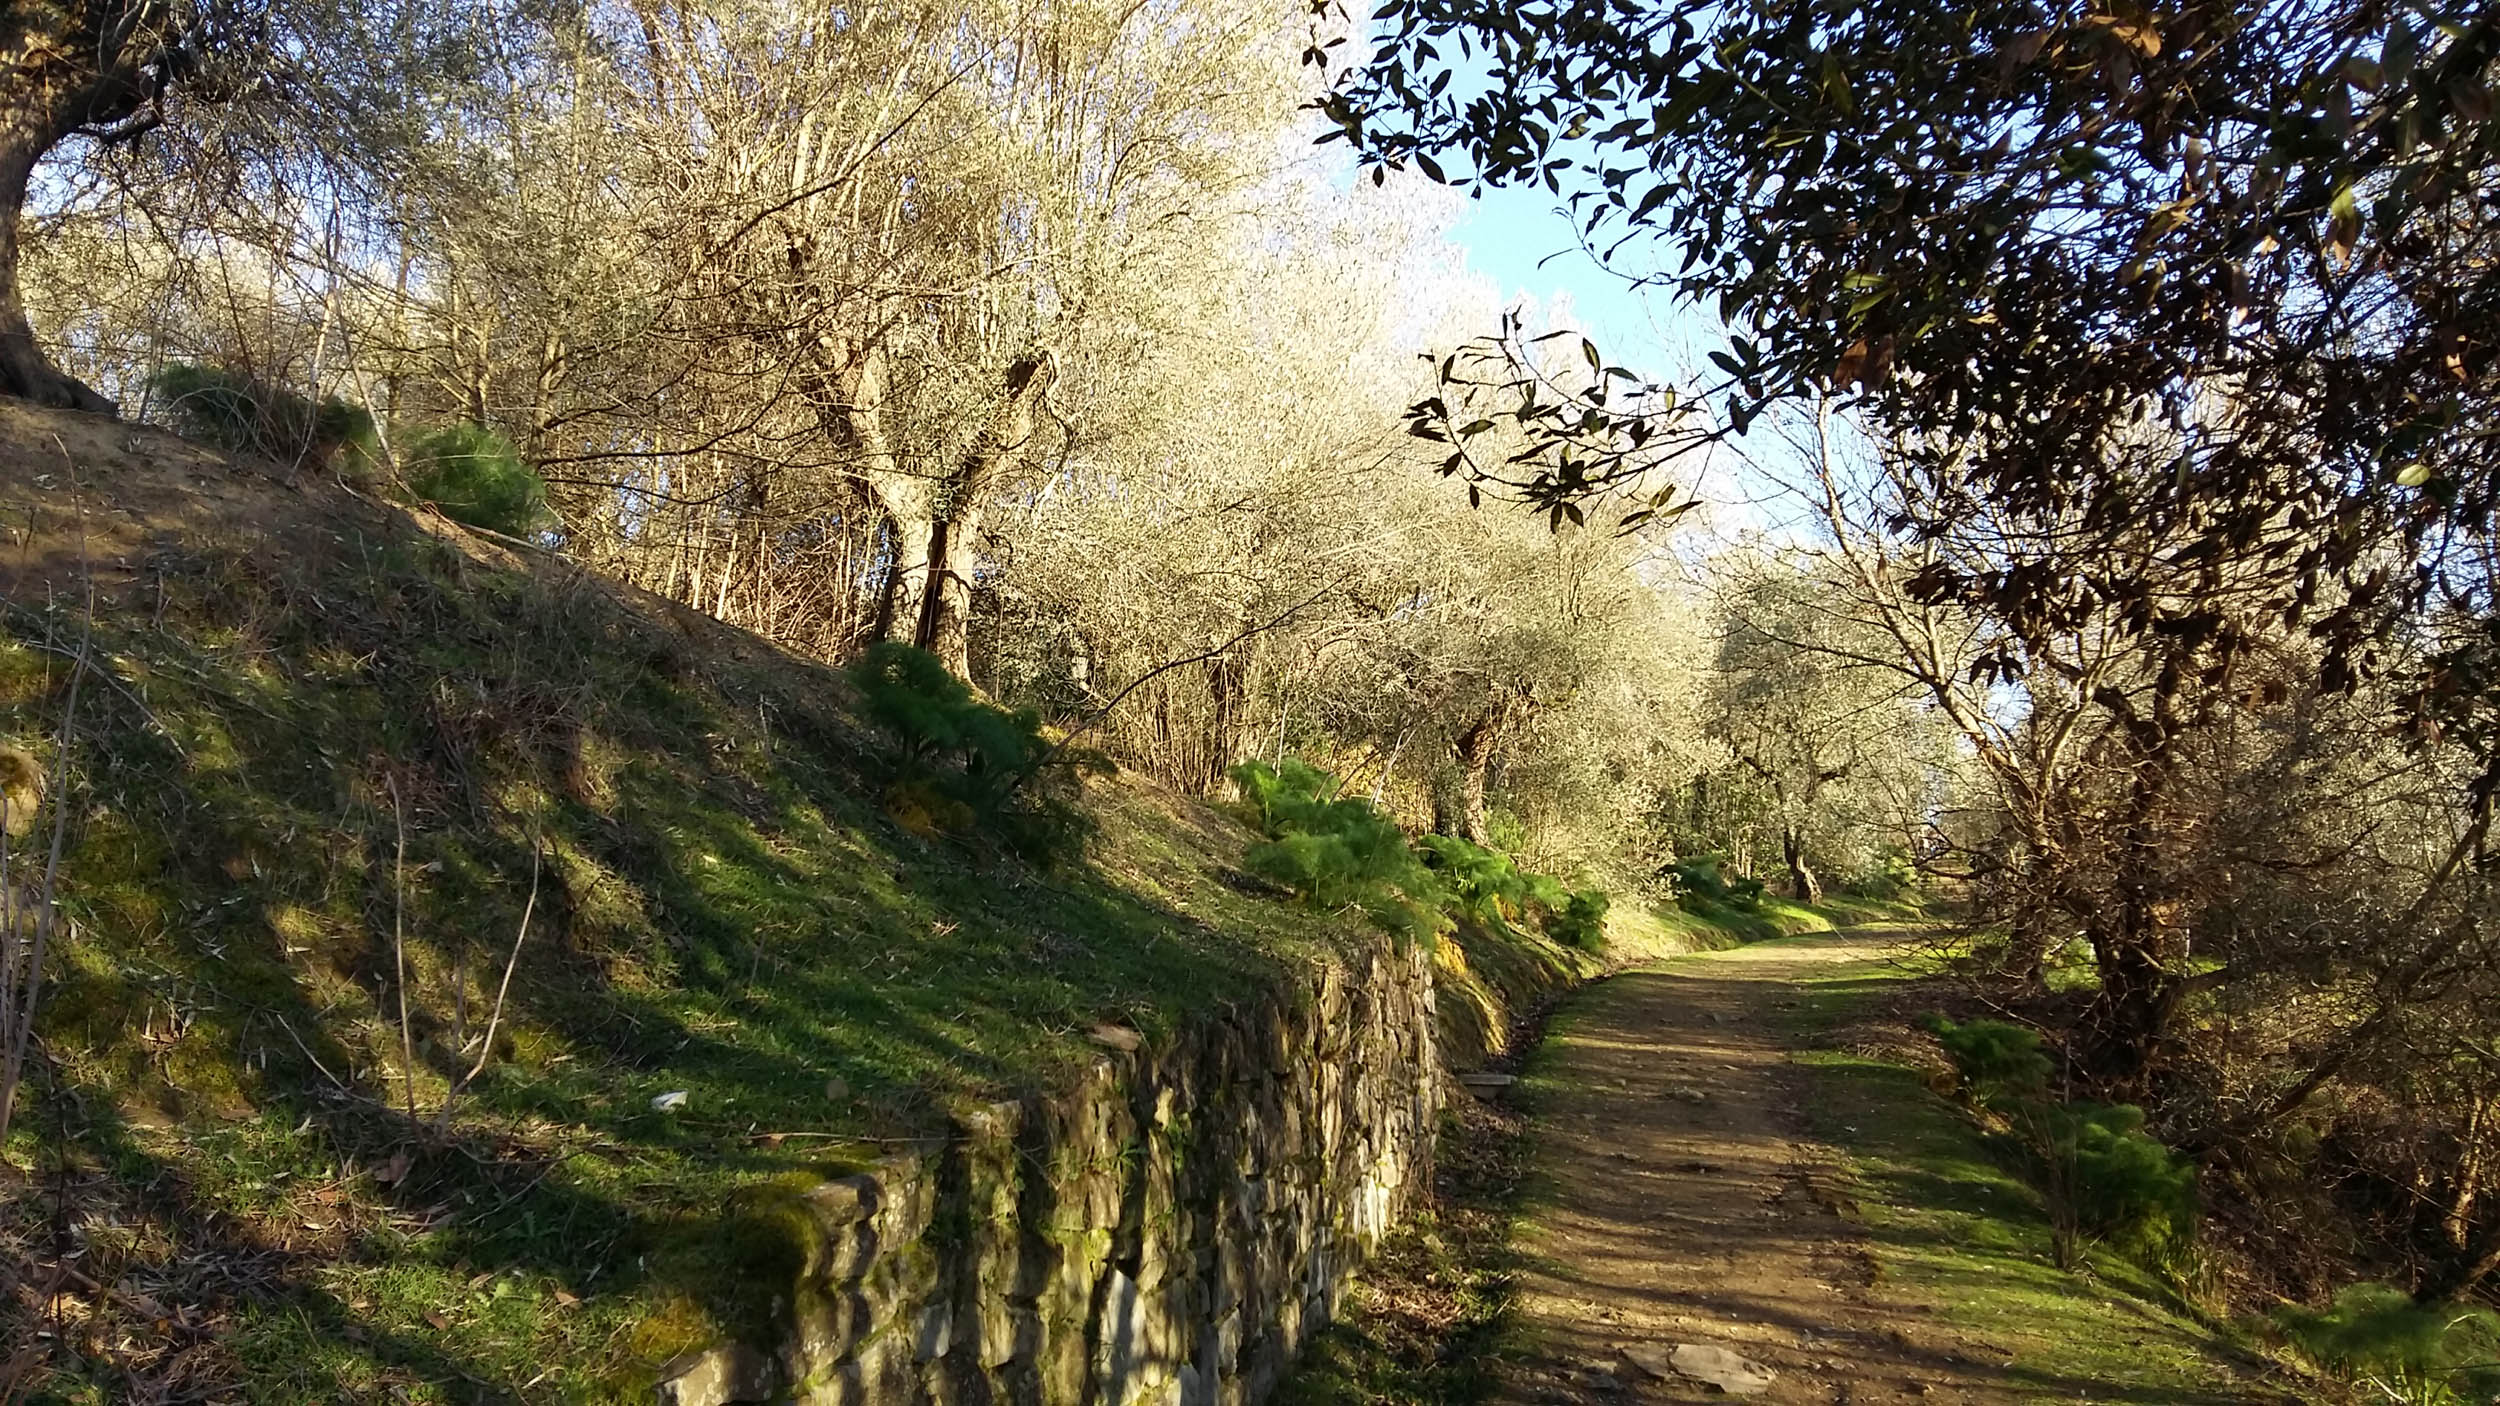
<point x="1719" y="924"/>
<point x="1952" y="1224"/>
<point x="218" y="1178"/>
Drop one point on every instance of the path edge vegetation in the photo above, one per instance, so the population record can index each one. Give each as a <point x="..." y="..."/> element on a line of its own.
<point x="1429" y="1316"/>
<point x="1958" y="1217"/>
<point x="2081" y="1189"/>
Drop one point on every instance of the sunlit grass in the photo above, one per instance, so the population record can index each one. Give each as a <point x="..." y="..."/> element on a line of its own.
<point x="723" y="910"/>
<point x="1952" y="1226"/>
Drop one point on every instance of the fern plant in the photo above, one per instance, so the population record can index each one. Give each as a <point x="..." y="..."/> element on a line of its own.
<point x="2104" y="1177"/>
<point x="1484" y="883"/>
<point x="963" y="766"/>
<point x="1700" y="883"/>
<point x="1581" y="922"/>
<point x="1490" y="887"/>
<point x="1336" y="851"/>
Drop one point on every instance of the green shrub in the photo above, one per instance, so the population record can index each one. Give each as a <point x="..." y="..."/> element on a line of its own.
<point x="2430" y="1354"/>
<point x="1483" y="883"/>
<point x="1336" y="851"/>
<point x="236" y="411"/>
<point x="2117" y="1181"/>
<point x="1581" y="922"/>
<point x="1700" y="881"/>
<point x="474" y="475"/>
<point x="1543" y="893"/>
<point x="1286" y="797"/>
<point x="1415" y="921"/>
<point x="2000" y="1063"/>
<point x="2104" y="1177"/>
<point x="966" y="768"/>
<point x="1490" y="887"/>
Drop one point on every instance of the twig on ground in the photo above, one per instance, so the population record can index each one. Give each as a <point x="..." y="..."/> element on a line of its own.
<point x="486" y="1046"/>
<point x="335" y="1081"/>
<point x="399" y="940"/>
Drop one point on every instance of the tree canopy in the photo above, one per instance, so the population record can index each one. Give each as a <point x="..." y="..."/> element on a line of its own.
<point x="2224" y="266"/>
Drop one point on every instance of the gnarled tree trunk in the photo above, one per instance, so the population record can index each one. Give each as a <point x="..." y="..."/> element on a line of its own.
<point x="1473" y="750"/>
<point x="934" y="519"/>
<point x="67" y="68"/>
<point x="945" y="624"/>
<point x="1802" y="884"/>
<point x="2133" y="928"/>
<point x="25" y="372"/>
<point x="851" y="406"/>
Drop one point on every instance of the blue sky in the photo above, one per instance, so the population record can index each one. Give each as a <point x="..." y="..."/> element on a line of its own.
<point x="1523" y="241"/>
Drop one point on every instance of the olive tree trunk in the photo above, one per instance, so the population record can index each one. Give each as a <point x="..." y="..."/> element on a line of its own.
<point x="28" y="128"/>
<point x="945" y="621"/>
<point x="83" y="66"/>
<point x="1802" y="884"/>
<point x="1473" y="750"/>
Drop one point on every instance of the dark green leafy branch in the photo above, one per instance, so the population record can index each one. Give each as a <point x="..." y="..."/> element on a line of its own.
<point x="2091" y="264"/>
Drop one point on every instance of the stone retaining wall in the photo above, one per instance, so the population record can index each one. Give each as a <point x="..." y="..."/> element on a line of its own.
<point x="1170" y="1231"/>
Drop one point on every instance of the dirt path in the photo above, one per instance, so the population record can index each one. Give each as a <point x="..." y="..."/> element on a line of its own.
<point x="1682" y="1202"/>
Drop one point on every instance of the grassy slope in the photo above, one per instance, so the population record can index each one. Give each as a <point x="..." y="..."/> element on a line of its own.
<point x="1488" y="981"/>
<point x="1952" y="1227"/>
<point x="722" y="909"/>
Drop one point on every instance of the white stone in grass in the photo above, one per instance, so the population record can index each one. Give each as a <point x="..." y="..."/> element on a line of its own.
<point x="669" y="1102"/>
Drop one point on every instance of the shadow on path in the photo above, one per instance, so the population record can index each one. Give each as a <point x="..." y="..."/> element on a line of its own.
<point x="1682" y="1200"/>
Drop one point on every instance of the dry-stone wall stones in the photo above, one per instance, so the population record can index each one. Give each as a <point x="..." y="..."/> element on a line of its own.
<point x="1168" y="1232"/>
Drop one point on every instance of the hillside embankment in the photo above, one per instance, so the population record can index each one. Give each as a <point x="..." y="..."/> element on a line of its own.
<point x="481" y="981"/>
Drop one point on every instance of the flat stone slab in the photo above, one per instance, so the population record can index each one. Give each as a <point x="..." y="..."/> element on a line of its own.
<point x="717" y="1377"/>
<point x="1488" y="1081"/>
<point x="1714" y="1367"/>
